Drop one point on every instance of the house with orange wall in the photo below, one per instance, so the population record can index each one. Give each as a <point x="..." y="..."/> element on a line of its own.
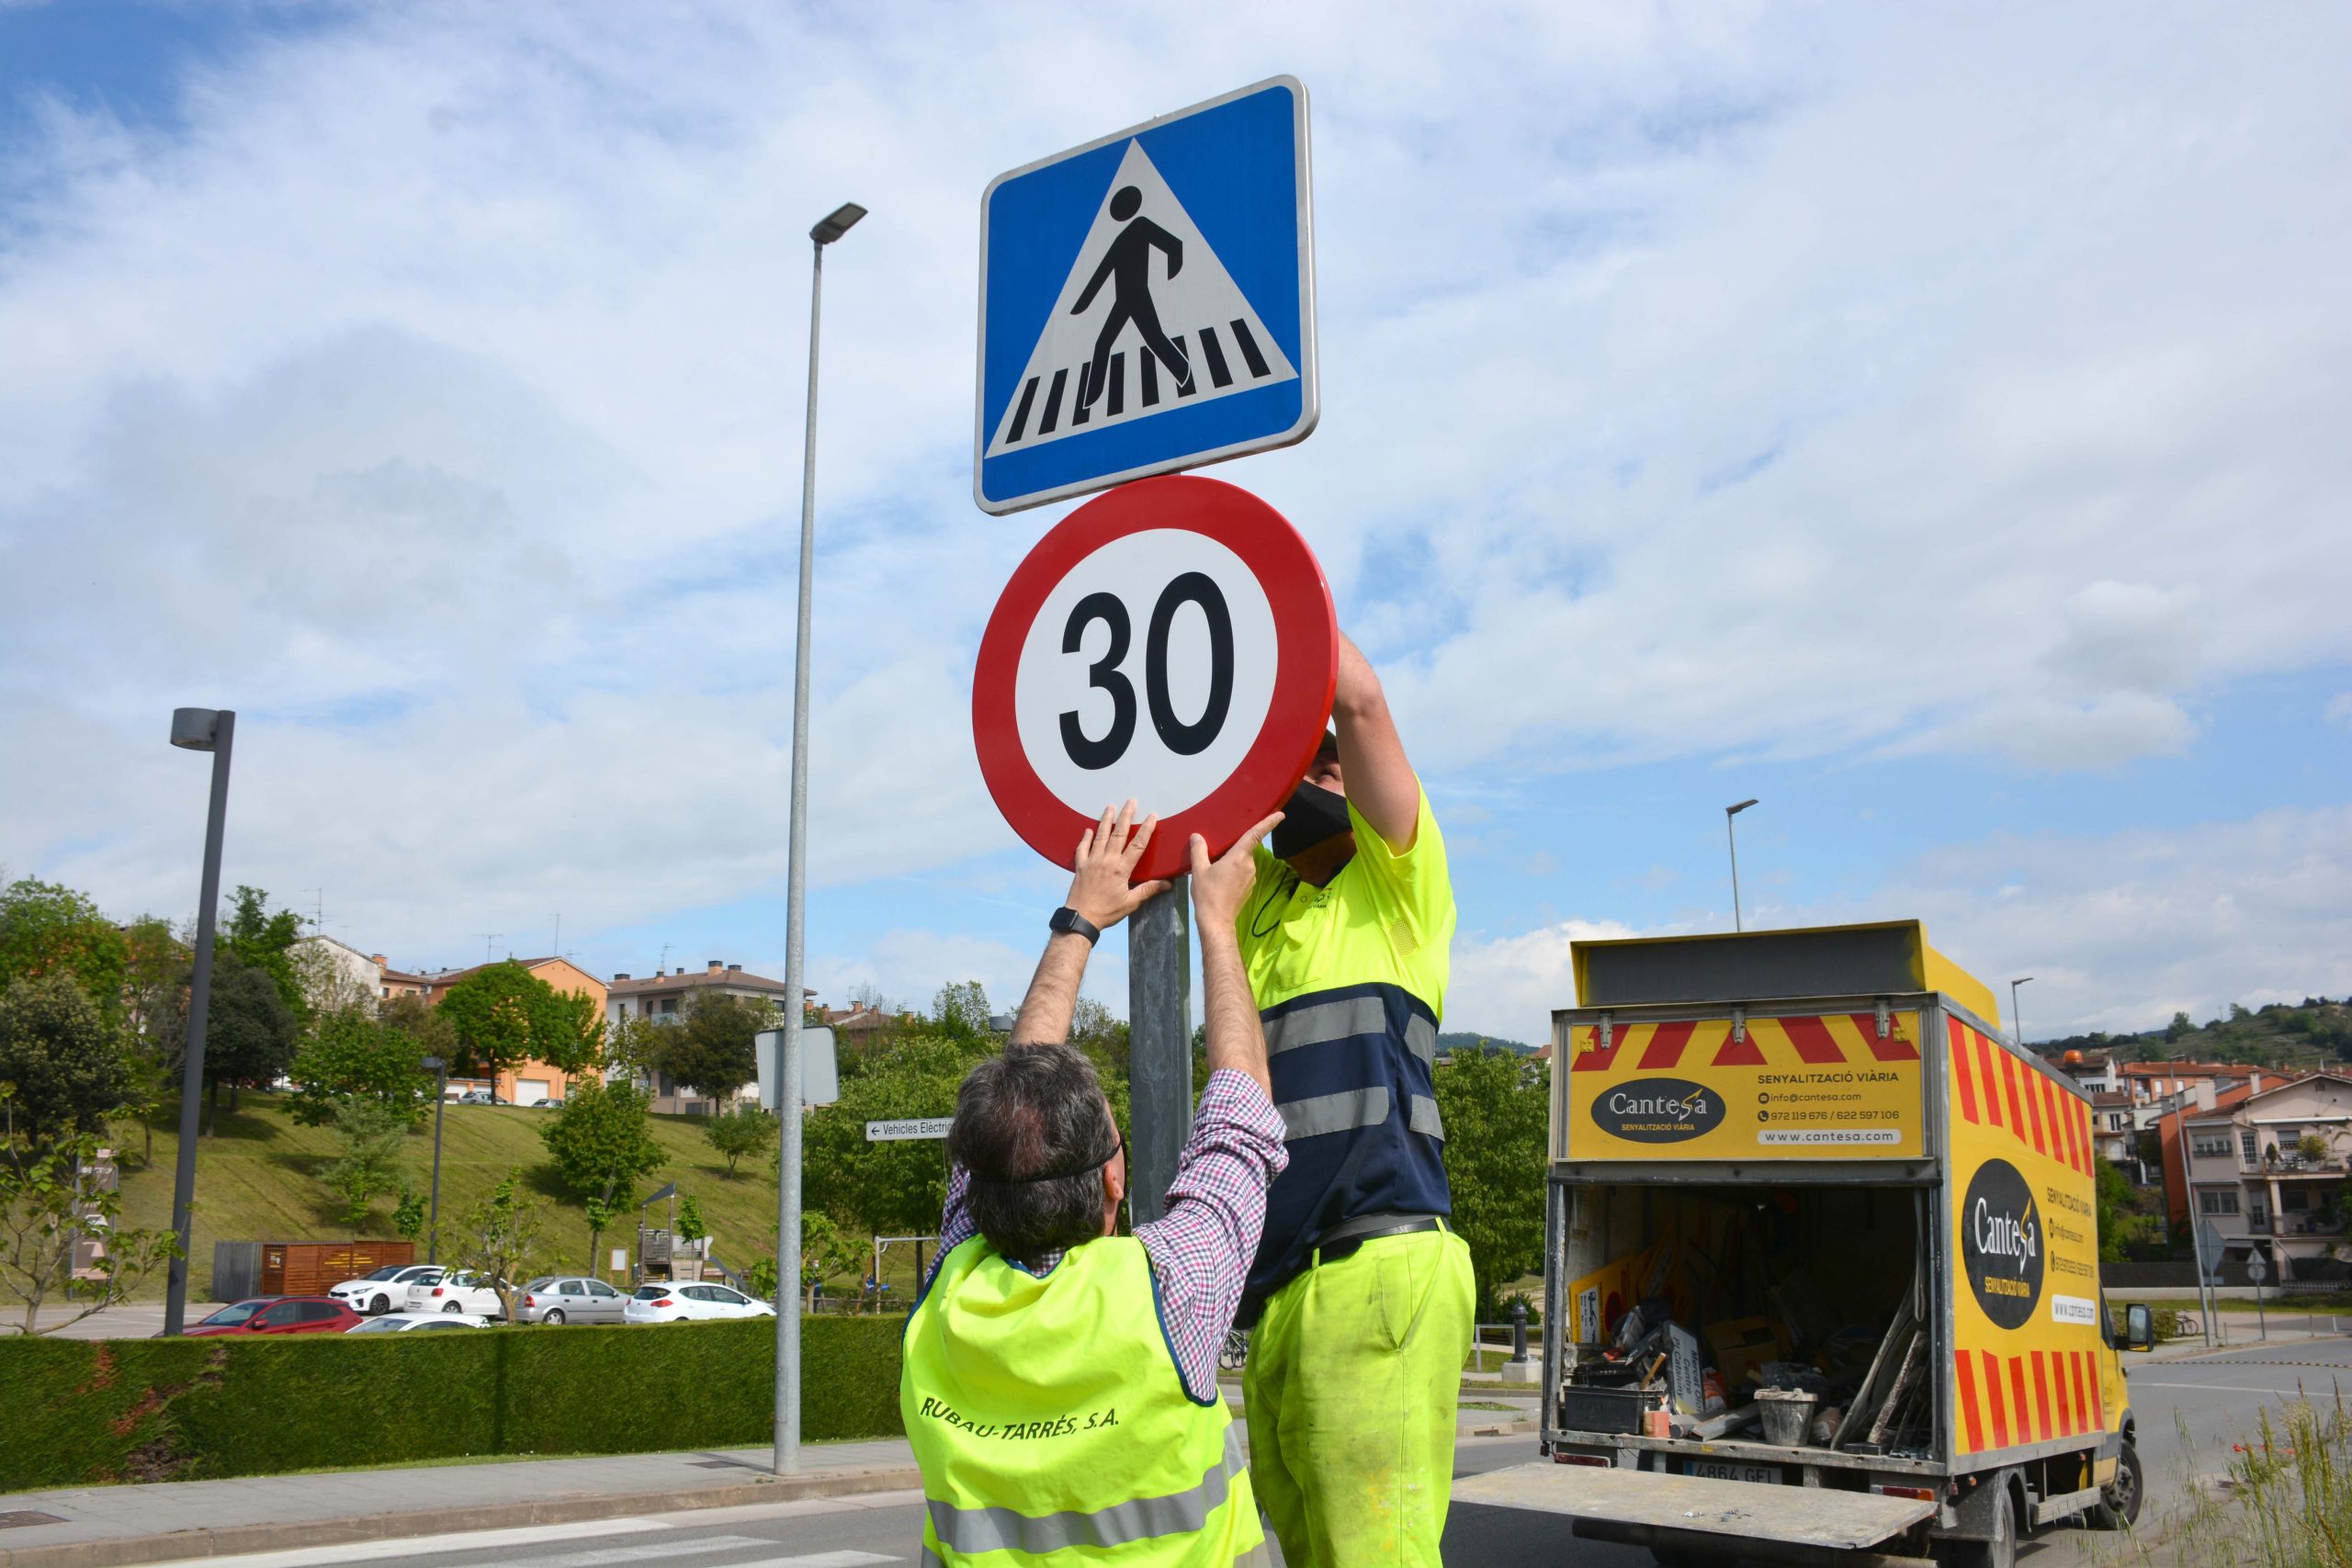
<point x="530" y="1082"/>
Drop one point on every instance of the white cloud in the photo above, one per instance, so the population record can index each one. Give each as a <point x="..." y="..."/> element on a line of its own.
<point x="2118" y="930"/>
<point x="1729" y="380"/>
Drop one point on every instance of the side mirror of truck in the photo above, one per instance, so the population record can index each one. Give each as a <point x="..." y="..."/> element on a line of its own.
<point x="2139" y="1328"/>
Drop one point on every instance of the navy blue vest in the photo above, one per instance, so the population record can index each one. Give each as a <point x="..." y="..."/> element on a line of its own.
<point x="1350" y="1069"/>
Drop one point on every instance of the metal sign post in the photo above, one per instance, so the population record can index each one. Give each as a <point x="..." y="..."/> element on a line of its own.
<point x="1160" y="1047"/>
<point x="2258" y="1271"/>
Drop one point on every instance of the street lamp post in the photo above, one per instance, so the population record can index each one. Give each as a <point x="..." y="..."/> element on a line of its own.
<point x="788" y="1198"/>
<point x="198" y="729"/>
<point x="1731" y="835"/>
<point x="2017" y="1020"/>
<point x="440" y="1068"/>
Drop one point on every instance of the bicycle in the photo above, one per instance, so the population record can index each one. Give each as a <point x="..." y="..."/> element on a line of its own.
<point x="1234" y="1354"/>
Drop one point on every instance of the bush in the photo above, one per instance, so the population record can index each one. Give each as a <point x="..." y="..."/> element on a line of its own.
<point x="84" y="1411"/>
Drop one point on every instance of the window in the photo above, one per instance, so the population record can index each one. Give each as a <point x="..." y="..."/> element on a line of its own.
<point x="318" y="1311"/>
<point x="2217" y="1202"/>
<point x="2245" y="1146"/>
<point x="601" y="1290"/>
<point x="2212" y="1145"/>
<point x="571" y="1288"/>
<point x="723" y="1296"/>
<point x="2295" y="1201"/>
<point x="281" y="1314"/>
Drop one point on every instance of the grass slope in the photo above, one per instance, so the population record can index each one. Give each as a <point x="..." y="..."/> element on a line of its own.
<point x="258" y="1179"/>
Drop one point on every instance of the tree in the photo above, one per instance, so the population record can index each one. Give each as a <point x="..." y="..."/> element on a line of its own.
<point x="601" y="1141"/>
<point x="714" y="1049"/>
<point x="47" y="1212"/>
<point x="250" y="1034"/>
<point x="408" y="1214"/>
<point x="600" y="1220"/>
<point x="824" y="1252"/>
<point x="64" y="1056"/>
<point x="961" y="1011"/>
<point x="634" y="1045"/>
<point x="741" y="1129"/>
<point x="2179" y="1026"/>
<point x="266" y="942"/>
<point x="351" y="1055"/>
<point x="1496" y="1107"/>
<point x="46" y="930"/>
<point x="2121" y="1224"/>
<point x="499" y="1235"/>
<point x="503" y="1015"/>
<point x="692" y="1226"/>
<point x="891" y="1189"/>
<point x="369" y="1135"/>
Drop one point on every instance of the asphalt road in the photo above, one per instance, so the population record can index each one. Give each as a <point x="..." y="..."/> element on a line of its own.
<point x="2216" y="1401"/>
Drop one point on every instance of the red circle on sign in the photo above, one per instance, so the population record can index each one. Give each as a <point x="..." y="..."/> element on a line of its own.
<point x="1306" y="632"/>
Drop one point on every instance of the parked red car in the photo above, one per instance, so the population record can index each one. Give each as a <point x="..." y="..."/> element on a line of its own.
<point x="280" y="1314"/>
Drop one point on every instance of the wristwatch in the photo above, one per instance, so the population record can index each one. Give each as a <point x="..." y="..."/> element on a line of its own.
<point x="1069" y="919"/>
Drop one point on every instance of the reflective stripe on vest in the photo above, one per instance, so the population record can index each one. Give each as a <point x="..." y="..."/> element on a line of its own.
<point x="1352" y="1073"/>
<point x="1183" y="1513"/>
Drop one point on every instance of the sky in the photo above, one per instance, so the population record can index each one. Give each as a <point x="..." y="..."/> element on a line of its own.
<point x="1931" y="421"/>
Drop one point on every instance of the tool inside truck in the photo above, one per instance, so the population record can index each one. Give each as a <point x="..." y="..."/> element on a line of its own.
<point x="1782" y="1314"/>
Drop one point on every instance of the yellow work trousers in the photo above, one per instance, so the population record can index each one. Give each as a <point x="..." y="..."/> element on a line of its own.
<point x="1353" y="1383"/>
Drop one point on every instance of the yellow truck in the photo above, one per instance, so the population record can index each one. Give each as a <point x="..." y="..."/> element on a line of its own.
<point x="1821" y="1264"/>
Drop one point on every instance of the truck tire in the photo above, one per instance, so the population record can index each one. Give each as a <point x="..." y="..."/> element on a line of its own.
<point x="2001" y="1551"/>
<point x="2121" y="1508"/>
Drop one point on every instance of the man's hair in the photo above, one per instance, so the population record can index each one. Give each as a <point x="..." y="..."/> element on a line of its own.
<point x="1034" y="1108"/>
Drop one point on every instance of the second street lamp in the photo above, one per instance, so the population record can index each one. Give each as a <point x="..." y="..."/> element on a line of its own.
<point x="440" y="1069"/>
<point x="198" y="729"/>
<point x="1733" y="836"/>
<point x="831" y="227"/>
<point x="2017" y="1020"/>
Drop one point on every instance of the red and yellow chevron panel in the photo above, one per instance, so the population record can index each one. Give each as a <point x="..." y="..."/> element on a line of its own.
<point x="2028" y="1357"/>
<point x="1824" y="1085"/>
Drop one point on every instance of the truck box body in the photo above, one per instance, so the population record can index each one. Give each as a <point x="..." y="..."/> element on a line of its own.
<point x="1818" y="1141"/>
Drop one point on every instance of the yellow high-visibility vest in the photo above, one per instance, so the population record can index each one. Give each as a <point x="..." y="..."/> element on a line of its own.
<point x="1048" y="1414"/>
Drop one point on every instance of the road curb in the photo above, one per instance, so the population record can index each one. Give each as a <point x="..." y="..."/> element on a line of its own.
<point x="121" y="1551"/>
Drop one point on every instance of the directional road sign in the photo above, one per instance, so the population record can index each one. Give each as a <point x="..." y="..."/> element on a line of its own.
<point x="1148" y="301"/>
<point x="1171" y="642"/>
<point x="820" y="1081"/>
<point x="2257" y="1269"/>
<point x="909" y="1130"/>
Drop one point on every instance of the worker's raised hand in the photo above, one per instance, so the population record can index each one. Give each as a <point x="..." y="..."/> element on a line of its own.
<point x="1107" y="856"/>
<point x="1220" y="885"/>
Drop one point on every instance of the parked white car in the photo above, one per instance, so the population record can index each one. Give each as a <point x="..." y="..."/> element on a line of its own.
<point x="689" y="1303"/>
<point x="401" y="1322"/>
<point x="379" y="1292"/>
<point x="458" y="1290"/>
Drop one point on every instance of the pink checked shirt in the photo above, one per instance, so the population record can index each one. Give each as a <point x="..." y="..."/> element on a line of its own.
<point x="1201" y="1248"/>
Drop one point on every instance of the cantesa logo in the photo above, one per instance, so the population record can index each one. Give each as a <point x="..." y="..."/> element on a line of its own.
<point x="2001" y="1243"/>
<point x="1658" y="1110"/>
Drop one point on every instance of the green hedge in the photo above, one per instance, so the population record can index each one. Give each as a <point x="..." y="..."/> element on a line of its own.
<point x="83" y="1411"/>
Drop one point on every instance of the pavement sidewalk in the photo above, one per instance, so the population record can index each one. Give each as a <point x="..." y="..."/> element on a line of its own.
<point x="102" y="1527"/>
<point x="108" y="1527"/>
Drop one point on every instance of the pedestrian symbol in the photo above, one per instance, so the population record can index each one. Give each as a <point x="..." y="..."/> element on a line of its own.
<point x="1147" y="302"/>
<point x="1149" y="319"/>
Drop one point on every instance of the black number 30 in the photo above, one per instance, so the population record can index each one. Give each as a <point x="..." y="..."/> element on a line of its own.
<point x="1103" y="674"/>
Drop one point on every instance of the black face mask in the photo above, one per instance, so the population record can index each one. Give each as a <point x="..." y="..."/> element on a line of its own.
<point x="1312" y="815"/>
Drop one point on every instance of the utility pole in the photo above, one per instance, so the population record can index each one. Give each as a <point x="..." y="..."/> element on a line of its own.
<point x="1732" y="834"/>
<point x="487" y="939"/>
<point x="198" y="729"/>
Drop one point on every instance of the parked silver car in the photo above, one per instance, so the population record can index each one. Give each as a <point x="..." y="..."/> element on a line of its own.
<point x="570" y="1298"/>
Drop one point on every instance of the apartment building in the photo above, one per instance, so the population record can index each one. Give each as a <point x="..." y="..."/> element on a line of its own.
<point x="529" y="1082"/>
<point x="2268" y="1168"/>
<point x="663" y="996"/>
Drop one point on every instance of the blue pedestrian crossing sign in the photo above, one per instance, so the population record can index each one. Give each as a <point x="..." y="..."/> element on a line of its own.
<point x="1148" y="301"/>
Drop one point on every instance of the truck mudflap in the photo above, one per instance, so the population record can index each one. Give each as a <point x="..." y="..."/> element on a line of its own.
<point x="1784" y="1524"/>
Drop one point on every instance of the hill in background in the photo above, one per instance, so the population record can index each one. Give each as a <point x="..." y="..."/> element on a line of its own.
<point x="2315" y="1032"/>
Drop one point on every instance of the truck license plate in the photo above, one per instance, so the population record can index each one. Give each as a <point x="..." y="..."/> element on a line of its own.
<point x="1716" y="1470"/>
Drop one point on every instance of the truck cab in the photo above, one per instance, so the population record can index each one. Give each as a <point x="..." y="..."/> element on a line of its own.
<point x="1821" y="1263"/>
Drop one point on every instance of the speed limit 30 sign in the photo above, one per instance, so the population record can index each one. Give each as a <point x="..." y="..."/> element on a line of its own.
<point x="1171" y="641"/>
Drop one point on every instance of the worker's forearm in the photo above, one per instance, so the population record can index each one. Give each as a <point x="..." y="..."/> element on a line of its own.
<point x="1053" y="991"/>
<point x="1380" y="778"/>
<point x="1235" y="1039"/>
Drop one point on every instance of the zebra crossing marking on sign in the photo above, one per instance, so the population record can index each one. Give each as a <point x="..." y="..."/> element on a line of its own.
<point x="1146" y="301"/>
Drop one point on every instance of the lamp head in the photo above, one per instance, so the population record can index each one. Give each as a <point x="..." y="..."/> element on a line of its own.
<point x="836" y="223"/>
<point x="2020" y="981"/>
<point x="430" y="1063"/>
<point x="1735" y="810"/>
<point x="196" y="729"/>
